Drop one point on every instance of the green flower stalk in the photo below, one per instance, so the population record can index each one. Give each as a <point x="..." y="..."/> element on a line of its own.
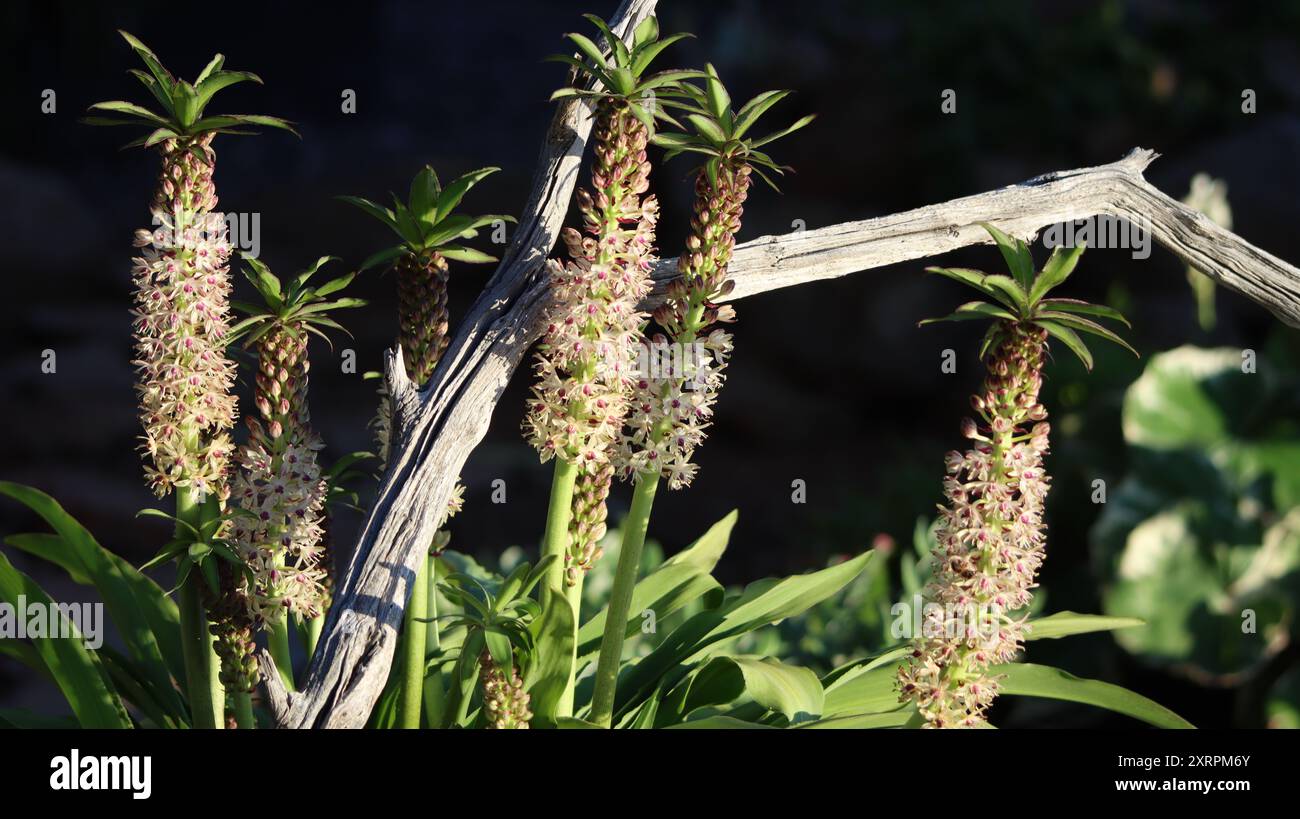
<point x="279" y="490"/>
<point x="587" y="356"/>
<point x="991" y="533"/>
<point x="681" y="373"/>
<point x="429" y="229"/>
<point x="180" y="320"/>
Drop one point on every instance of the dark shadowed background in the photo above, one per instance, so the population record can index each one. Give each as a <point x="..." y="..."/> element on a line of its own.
<point x="831" y="383"/>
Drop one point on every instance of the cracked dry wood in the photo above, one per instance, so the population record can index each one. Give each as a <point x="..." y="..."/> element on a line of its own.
<point x="436" y="429"/>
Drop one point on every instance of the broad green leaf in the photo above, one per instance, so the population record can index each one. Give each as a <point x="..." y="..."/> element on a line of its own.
<point x="74" y="667"/>
<point x="1029" y="680"/>
<point x="789" y="690"/>
<point x="869" y="691"/>
<point x="682" y="578"/>
<point x="716" y="94"/>
<point x="145" y="617"/>
<point x="886" y="719"/>
<point x="720" y="721"/>
<point x="1189" y="397"/>
<point x="383" y="257"/>
<point x="51" y="548"/>
<point x="207" y="86"/>
<point x="762" y="603"/>
<point x="548" y="675"/>
<point x="22" y="719"/>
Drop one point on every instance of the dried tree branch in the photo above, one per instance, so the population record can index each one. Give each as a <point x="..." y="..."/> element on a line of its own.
<point x="1117" y="189"/>
<point x="436" y="429"/>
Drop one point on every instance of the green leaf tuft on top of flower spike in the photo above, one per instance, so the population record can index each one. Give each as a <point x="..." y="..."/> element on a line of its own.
<point x="426" y="223"/>
<point x="182" y="103"/>
<point x="721" y="133"/>
<point x="297" y="304"/>
<point x="620" y="70"/>
<point x="1021" y="298"/>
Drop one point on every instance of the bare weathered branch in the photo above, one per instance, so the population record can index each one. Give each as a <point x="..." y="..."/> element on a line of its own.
<point x="1117" y="189"/>
<point x="436" y="429"/>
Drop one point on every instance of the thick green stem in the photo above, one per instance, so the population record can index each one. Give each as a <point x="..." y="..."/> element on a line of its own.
<point x="620" y="599"/>
<point x="315" y="626"/>
<point x="416" y="629"/>
<point x="243" y="709"/>
<point x="434" y="695"/>
<point x="555" y="541"/>
<point x="201" y="663"/>
<point x="277" y="640"/>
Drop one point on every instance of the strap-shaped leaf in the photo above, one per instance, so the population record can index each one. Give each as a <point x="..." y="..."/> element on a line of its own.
<point x="383" y="257"/>
<point x="423" y="196"/>
<point x="1058" y="268"/>
<point x="450" y="197"/>
<point x="679" y="580"/>
<point x="645" y="54"/>
<point x="209" y="86"/>
<point x="1016" y="253"/>
<point x="124" y="107"/>
<point x="1071" y="340"/>
<point x="773" y="137"/>
<point x="762" y="603"/>
<point x="973" y="310"/>
<point x="1002" y="288"/>
<point x="468" y="255"/>
<point x="75" y="668"/>
<point x="143" y="614"/>
<point x="591" y="51"/>
<point x="161" y="74"/>
<point x="1084" y="325"/>
<point x="752" y="110"/>
<point x="380" y="212"/>
<point x="1084" y="307"/>
<point x="1030" y="680"/>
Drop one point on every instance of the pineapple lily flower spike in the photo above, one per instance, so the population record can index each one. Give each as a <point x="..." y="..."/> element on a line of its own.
<point x="668" y="415"/>
<point x="182" y="280"/>
<point x="279" y="489"/>
<point x="182" y="283"/>
<point x="429" y="229"/>
<point x="587" y="354"/>
<point x="668" y="418"/>
<point x="991" y="533"/>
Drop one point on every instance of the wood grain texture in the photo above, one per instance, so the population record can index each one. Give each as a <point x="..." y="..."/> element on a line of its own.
<point x="436" y="429"/>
